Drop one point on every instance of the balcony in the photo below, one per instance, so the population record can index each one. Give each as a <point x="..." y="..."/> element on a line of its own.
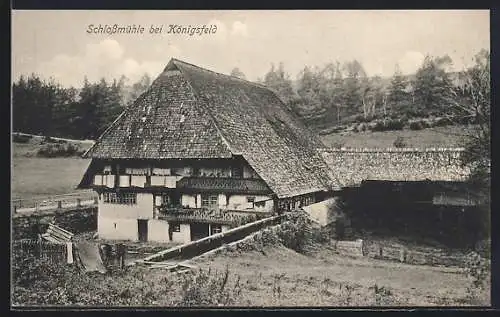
<point x="223" y="184"/>
<point x="205" y="215"/>
<point x="184" y="183"/>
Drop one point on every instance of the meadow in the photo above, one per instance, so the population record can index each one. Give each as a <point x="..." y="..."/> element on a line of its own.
<point x="448" y="136"/>
<point x="33" y="176"/>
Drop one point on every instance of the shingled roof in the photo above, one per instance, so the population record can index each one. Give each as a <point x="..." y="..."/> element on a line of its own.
<point x="191" y="112"/>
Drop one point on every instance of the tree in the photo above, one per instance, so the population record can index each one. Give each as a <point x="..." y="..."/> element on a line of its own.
<point x="279" y="81"/>
<point x="433" y="85"/>
<point x="309" y="87"/>
<point x="355" y="78"/>
<point x="33" y="102"/>
<point x="398" y="96"/>
<point x="236" y="72"/>
<point x="472" y="103"/>
<point x="138" y="88"/>
<point x="332" y="93"/>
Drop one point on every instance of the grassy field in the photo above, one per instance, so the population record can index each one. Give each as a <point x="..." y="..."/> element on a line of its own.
<point x="278" y="276"/>
<point x="33" y="176"/>
<point x="449" y="136"/>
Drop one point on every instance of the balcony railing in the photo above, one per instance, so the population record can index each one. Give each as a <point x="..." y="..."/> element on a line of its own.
<point x="229" y="217"/>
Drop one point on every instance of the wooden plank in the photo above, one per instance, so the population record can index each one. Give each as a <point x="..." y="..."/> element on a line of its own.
<point x="60" y="229"/>
<point x="58" y="235"/>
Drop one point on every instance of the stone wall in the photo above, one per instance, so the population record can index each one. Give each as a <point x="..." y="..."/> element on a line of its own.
<point x="351" y="166"/>
<point x="76" y="221"/>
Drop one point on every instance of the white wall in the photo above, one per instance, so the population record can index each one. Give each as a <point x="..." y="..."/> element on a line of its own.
<point x="239" y="202"/>
<point x="142" y="210"/>
<point x="117" y="229"/>
<point x="184" y="236"/>
<point x="158" y="230"/>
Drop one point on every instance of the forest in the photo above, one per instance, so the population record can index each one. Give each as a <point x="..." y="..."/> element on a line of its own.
<point x="323" y="97"/>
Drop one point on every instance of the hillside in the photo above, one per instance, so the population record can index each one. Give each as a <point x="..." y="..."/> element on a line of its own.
<point x="448" y="136"/>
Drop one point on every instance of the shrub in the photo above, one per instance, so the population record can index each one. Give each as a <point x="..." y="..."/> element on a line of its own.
<point x="59" y="150"/>
<point x="359" y="118"/>
<point x="394" y="125"/>
<point x="416" y="125"/>
<point x="207" y="289"/>
<point x="400" y="142"/>
<point x="441" y="122"/>
<point x="20" y="138"/>
<point x="387" y="125"/>
<point x="377" y="126"/>
<point x="48" y="139"/>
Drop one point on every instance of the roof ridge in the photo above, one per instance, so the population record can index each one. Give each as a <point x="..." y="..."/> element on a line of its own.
<point x="222" y="74"/>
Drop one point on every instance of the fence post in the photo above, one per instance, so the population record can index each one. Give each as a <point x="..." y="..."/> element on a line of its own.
<point x="59" y="204"/>
<point x="402" y="255"/>
<point x="36" y="205"/>
<point x="78" y="202"/>
<point x="39" y="245"/>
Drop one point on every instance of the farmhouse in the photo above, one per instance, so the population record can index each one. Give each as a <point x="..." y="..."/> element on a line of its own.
<point x="200" y="152"/>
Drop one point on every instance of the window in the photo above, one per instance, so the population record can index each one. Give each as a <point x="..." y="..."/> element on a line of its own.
<point x="107" y="169"/>
<point x="251" y="202"/>
<point x="209" y="200"/>
<point x="215" y="229"/>
<point x="175" y="227"/>
<point x="120" y="198"/>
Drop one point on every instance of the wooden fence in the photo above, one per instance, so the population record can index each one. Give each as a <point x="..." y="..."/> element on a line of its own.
<point x="405" y="255"/>
<point x="56" y="202"/>
<point x="56" y="253"/>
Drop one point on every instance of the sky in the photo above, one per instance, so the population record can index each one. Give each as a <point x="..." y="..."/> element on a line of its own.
<point x="56" y="43"/>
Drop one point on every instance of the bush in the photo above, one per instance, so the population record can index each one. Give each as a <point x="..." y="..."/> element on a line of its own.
<point x="395" y="124"/>
<point x="416" y="125"/>
<point x="60" y="150"/>
<point x="441" y="122"/>
<point x="387" y="125"/>
<point x="48" y="139"/>
<point x="20" y="138"/>
<point x="400" y="142"/>
<point x="207" y="289"/>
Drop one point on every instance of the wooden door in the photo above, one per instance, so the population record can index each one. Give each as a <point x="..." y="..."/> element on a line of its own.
<point x="142" y="228"/>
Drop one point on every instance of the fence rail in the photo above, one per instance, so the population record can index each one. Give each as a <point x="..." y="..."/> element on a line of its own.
<point x="54" y="202"/>
<point x="41" y="249"/>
